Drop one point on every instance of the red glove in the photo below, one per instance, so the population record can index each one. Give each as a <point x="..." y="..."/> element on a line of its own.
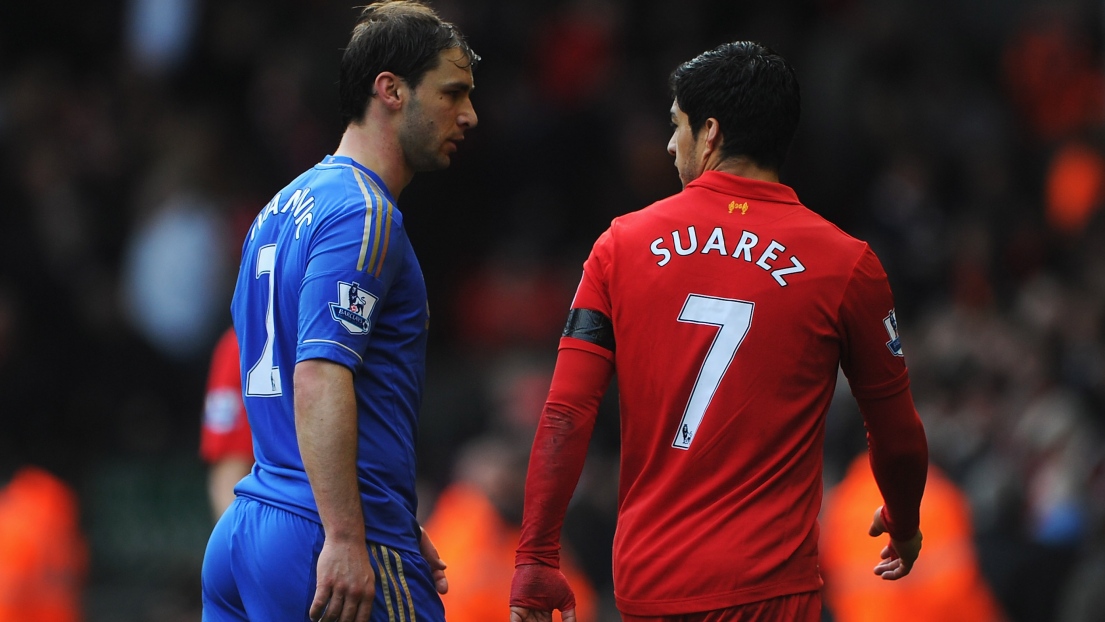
<point x="541" y="588"/>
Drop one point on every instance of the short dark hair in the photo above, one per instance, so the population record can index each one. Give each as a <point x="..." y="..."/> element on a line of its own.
<point x="404" y="37"/>
<point x="753" y="93"/>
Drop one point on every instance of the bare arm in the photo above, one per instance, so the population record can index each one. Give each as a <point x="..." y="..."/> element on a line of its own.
<point x="222" y="476"/>
<point x="326" y="428"/>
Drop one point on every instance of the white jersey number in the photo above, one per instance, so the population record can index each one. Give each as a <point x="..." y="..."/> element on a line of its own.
<point x="263" y="379"/>
<point x="733" y="319"/>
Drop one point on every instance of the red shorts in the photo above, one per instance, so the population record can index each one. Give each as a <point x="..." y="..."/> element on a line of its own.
<point x="804" y="607"/>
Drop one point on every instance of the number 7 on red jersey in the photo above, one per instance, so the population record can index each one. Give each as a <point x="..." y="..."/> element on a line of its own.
<point x="733" y="318"/>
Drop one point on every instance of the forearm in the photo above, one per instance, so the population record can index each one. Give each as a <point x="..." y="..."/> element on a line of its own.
<point x="326" y="428"/>
<point x="559" y="451"/>
<point x="898" y="452"/>
<point x="222" y="476"/>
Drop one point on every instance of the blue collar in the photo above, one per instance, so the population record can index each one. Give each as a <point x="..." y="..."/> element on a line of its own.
<point x="333" y="159"/>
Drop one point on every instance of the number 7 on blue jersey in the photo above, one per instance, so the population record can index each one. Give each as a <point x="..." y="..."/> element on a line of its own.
<point x="263" y="379"/>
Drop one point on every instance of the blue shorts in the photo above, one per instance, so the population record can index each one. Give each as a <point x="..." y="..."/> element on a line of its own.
<point x="260" y="565"/>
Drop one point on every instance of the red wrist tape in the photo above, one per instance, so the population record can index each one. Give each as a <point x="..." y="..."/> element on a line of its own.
<point x="541" y="588"/>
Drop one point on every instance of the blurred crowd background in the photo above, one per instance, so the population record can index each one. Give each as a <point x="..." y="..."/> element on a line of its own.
<point x="962" y="138"/>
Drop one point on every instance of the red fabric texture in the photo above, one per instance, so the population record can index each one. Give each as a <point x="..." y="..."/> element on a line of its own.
<point x="542" y="588"/>
<point x="898" y="453"/>
<point x="559" y="450"/>
<point x="802" y="607"/>
<point x="225" y="432"/>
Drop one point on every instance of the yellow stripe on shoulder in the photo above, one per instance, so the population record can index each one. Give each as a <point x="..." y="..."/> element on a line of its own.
<point x="387" y="240"/>
<point x="383" y="229"/>
<point x="371" y="201"/>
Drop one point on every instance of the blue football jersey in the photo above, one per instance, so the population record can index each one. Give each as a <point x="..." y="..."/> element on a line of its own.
<point x="328" y="272"/>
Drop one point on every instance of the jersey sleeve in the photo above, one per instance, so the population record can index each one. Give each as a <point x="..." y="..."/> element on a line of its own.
<point x="871" y="352"/>
<point x="559" y="451"/>
<point x="225" y="432"/>
<point x="873" y="360"/>
<point x="592" y="295"/>
<point x="348" y="273"/>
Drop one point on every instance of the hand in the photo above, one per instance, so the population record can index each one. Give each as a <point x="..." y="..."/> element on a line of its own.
<point x="536" y="590"/>
<point x="899" y="555"/>
<point x="346" y="584"/>
<point x="521" y="614"/>
<point x="437" y="565"/>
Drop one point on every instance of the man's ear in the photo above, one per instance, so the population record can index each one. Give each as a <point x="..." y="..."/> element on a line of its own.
<point x="712" y="129"/>
<point x="390" y="90"/>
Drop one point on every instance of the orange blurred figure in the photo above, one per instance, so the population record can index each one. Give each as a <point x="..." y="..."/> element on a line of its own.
<point x="475" y="524"/>
<point x="946" y="584"/>
<point x="43" y="556"/>
<point x="1075" y="187"/>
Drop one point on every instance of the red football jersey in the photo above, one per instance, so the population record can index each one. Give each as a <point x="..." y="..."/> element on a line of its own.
<point x="732" y="306"/>
<point x="225" y="429"/>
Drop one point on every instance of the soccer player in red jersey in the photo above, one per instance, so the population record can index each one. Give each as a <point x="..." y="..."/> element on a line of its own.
<point x="725" y="311"/>
<point x="226" y="444"/>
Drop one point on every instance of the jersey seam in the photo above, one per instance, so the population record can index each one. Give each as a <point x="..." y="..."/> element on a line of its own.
<point x="847" y="285"/>
<point x="336" y="343"/>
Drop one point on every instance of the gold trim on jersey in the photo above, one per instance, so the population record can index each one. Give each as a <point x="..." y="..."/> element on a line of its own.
<point x="367" y="221"/>
<point x="387" y="241"/>
<point x="378" y="211"/>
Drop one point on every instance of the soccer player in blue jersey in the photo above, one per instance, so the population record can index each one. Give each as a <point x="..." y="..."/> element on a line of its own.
<point x="331" y="315"/>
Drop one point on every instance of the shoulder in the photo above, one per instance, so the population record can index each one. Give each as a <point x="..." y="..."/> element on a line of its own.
<point x="345" y="191"/>
<point x="831" y="239"/>
<point x="647" y="216"/>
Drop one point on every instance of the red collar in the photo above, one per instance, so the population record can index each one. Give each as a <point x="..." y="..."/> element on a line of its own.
<point x="727" y="183"/>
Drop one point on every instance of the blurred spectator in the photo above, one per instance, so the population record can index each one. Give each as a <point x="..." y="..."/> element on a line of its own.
<point x="1075" y="187"/>
<point x="173" y="260"/>
<point x="1053" y="74"/>
<point x="160" y="32"/>
<point x="43" y="554"/>
<point x="475" y="525"/>
<point x="946" y="585"/>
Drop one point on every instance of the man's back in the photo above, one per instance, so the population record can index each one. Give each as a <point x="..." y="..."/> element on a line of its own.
<point x="731" y="308"/>
<point x="725" y="311"/>
<point x="327" y="265"/>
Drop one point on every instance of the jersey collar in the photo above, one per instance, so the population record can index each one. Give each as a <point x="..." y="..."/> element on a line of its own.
<point x="333" y="159"/>
<point x="745" y="187"/>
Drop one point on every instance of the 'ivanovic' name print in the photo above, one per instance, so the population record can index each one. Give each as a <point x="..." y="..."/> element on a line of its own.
<point x="767" y="256"/>
<point x="298" y="205"/>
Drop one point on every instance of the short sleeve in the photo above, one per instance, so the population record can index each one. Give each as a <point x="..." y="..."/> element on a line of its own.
<point x="871" y="353"/>
<point x="351" y="264"/>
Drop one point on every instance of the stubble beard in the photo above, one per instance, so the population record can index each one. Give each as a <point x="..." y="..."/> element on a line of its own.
<point x="418" y="141"/>
<point x="686" y="174"/>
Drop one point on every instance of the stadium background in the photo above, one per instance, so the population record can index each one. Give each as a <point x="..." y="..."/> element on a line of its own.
<point x="961" y="138"/>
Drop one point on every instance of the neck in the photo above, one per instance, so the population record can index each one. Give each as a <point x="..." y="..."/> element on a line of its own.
<point x="743" y="167"/>
<point x="376" y="146"/>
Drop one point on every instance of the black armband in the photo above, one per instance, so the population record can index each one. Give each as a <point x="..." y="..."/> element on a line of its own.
<point x="590" y="326"/>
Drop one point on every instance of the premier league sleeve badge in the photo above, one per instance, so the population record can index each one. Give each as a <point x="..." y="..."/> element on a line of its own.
<point x="353" y="309"/>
